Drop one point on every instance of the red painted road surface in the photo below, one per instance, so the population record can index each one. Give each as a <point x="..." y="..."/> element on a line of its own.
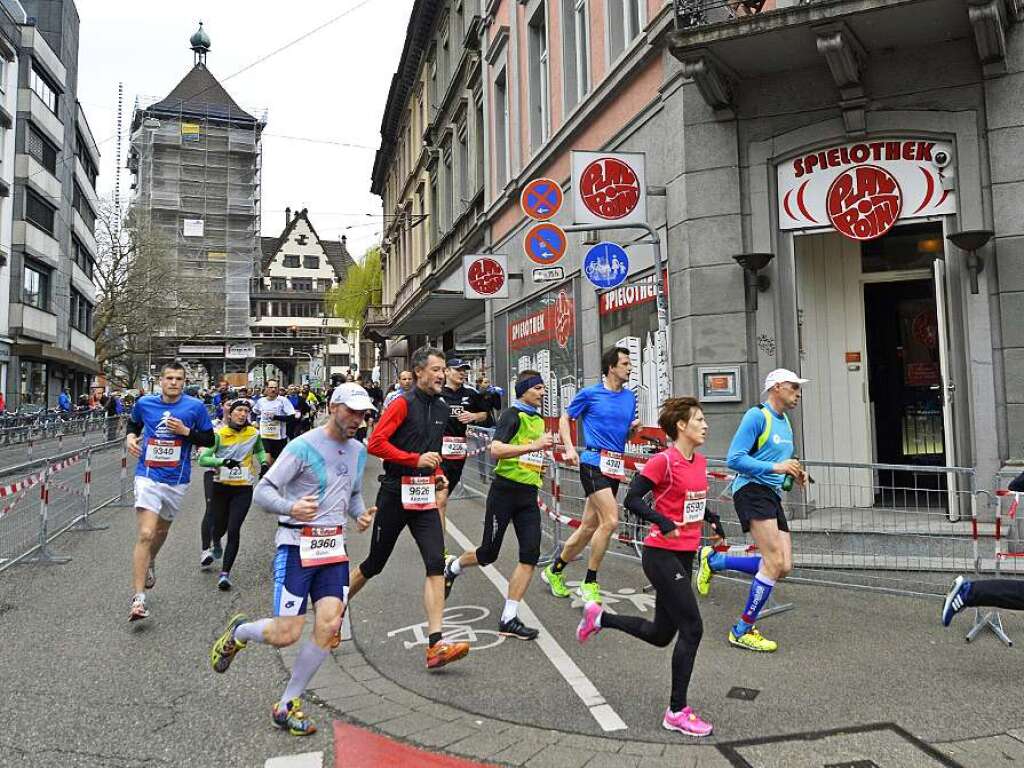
<point x="358" y="748"/>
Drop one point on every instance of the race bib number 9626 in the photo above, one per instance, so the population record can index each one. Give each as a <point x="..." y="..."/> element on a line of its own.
<point x="418" y="493"/>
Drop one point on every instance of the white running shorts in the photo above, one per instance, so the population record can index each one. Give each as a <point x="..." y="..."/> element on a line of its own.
<point x="161" y="498"/>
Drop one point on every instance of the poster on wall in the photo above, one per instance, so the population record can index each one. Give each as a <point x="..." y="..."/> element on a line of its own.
<point x="542" y="336"/>
<point x="628" y="319"/>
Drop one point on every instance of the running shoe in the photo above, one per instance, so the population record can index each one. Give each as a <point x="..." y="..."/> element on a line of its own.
<point x="955" y="599"/>
<point x="686" y="721"/>
<point x="590" y="623"/>
<point x="218" y="553"/>
<point x="515" y="628"/>
<point x="449" y="577"/>
<point x="556" y="581"/>
<point x="753" y="640"/>
<point x="151" y="575"/>
<point x="224" y="582"/>
<point x="445" y="653"/>
<point x="139" y="610"/>
<point x="291" y="718"/>
<point x="206" y="559"/>
<point x="589" y="592"/>
<point x="225" y="647"/>
<point x="704" y="572"/>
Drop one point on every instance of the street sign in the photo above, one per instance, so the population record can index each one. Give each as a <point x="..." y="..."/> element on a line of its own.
<point x="239" y="351"/>
<point x="548" y="274"/>
<point x="609" y="188"/>
<point x="606" y="265"/>
<point x="485" y="276"/>
<point x="541" y="199"/>
<point x="545" y="244"/>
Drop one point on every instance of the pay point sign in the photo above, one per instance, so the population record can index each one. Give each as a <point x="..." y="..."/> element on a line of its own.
<point x="609" y="188"/>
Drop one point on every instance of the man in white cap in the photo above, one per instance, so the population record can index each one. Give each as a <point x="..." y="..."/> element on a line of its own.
<point x="761" y="454"/>
<point x="313" y="486"/>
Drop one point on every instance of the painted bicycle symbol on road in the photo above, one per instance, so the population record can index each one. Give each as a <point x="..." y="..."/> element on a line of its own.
<point x="457" y="625"/>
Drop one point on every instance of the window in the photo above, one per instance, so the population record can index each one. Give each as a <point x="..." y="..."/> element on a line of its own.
<point x="464" y="193"/>
<point x="87" y="164"/>
<point x="311" y="262"/>
<point x="422" y="225"/>
<point x="291" y="260"/>
<point x="457" y="30"/>
<point x="43" y="87"/>
<point x="42" y="150"/>
<point x="448" y="184"/>
<point x="33" y="385"/>
<point x="539" y="107"/>
<point x="81" y="313"/>
<point x="435" y="219"/>
<point x="575" y="51"/>
<point x="279" y="283"/>
<point x="501" y="129"/>
<point x="81" y="257"/>
<point x="445" y="66"/>
<point x="79" y="203"/>
<point x="38" y="211"/>
<point x="302" y="284"/>
<point x="479" y="148"/>
<point x="36" y="287"/>
<point x="623" y="25"/>
<point x="339" y="360"/>
<point x="4" y="71"/>
<point x="324" y="283"/>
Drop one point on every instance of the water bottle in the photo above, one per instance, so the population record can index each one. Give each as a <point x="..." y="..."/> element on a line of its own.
<point x="787" y="481"/>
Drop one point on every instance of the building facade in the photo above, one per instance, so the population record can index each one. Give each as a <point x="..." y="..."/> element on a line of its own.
<point x="53" y="247"/>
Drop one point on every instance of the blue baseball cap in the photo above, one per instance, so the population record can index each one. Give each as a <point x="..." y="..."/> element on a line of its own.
<point x="459" y="363"/>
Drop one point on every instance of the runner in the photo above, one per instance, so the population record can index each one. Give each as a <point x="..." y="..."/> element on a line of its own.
<point x="236" y="455"/>
<point x="518" y="445"/>
<point x="607" y="410"/>
<point x="311" y="488"/>
<point x="161" y="432"/>
<point x="761" y="454"/>
<point x="678" y="479"/>
<point x="273" y="413"/>
<point x="464" y="408"/>
<point x="405" y="382"/>
<point x="408" y="439"/>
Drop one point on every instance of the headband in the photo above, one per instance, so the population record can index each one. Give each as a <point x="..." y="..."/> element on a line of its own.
<point x="525" y="384"/>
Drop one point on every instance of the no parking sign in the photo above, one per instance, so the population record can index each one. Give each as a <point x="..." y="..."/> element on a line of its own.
<point x="545" y="244"/>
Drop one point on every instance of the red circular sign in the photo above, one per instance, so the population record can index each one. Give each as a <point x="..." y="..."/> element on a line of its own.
<point x="864" y="202"/>
<point x="926" y="329"/>
<point x="563" y="319"/>
<point x="609" y="188"/>
<point x="485" y="276"/>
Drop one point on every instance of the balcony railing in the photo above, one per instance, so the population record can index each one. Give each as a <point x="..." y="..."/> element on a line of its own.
<point x="697" y="13"/>
<point x="378" y="314"/>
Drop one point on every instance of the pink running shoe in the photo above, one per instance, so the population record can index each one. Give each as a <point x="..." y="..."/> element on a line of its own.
<point x="687" y="722"/>
<point x="589" y="624"/>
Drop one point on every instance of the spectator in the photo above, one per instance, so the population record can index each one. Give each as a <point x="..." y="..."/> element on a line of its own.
<point x="3" y="403"/>
<point x="64" y="401"/>
<point x="490" y="397"/>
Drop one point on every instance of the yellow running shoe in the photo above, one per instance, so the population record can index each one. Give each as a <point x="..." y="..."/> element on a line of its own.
<point x="753" y="641"/>
<point x="704" y="572"/>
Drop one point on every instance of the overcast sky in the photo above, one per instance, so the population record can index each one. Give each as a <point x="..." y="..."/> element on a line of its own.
<point x="329" y="87"/>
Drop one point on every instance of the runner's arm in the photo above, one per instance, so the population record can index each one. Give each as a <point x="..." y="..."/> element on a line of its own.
<point x="134" y="427"/>
<point x="259" y="451"/>
<point x="504" y="431"/>
<point x="208" y="456"/>
<point x="635" y="503"/>
<point x="739" y="458"/>
<point x="268" y="491"/>
<point x="565" y="431"/>
<point x="380" y="445"/>
<point x="203" y="438"/>
<point x="356" y="504"/>
<point x="1017" y="484"/>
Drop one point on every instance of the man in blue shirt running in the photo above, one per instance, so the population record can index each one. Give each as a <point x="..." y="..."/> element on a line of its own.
<point x="607" y="413"/>
<point x="161" y="432"/>
<point x="761" y="454"/>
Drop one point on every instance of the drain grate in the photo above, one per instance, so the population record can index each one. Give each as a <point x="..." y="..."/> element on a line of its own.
<point x="854" y="764"/>
<point x="743" y="694"/>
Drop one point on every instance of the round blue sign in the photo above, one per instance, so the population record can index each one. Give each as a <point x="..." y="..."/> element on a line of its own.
<point x="606" y="265"/>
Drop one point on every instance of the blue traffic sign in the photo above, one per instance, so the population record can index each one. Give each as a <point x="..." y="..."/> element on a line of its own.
<point x="545" y="244"/>
<point x="541" y="199"/>
<point x="606" y="265"/>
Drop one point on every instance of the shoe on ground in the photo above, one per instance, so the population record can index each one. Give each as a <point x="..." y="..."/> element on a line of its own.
<point x="955" y="599"/>
<point x="704" y="572"/>
<point x="686" y="721"/>
<point x="449" y="577"/>
<point x="753" y="640"/>
<point x="444" y="653"/>
<point x="218" y="552"/>
<point x="291" y="718"/>
<point x="225" y="647"/>
<point x="224" y="583"/>
<point x="151" y="575"/>
<point x="139" y="610"/>
<point x="556" y="581"/>
<point x="206" y="559"/>
<point x="589" y="623"/>
<point x="589" y="592"/>
<point x="514" y="627"/>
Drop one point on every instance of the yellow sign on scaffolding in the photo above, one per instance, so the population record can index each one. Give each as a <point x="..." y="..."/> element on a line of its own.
<point x="190" y="131"/>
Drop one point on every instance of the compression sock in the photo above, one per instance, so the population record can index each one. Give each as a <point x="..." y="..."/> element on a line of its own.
<point x="591" y="576"/>
<point x="760" y="591"/>
<point x="720" y="561"/>
<point x="559" y="565"/>
<point x="252" y="632"/>
<point x="434" y="638"/>
<point x="511" y="610"/>
<point x="310" y="657"/>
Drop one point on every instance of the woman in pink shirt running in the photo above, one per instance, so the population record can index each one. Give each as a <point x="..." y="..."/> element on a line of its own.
<point x="678" y="479"/>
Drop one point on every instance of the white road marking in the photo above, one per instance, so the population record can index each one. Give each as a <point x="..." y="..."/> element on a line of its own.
<point x="600" y="710"/>
<point x="304" y="760"/>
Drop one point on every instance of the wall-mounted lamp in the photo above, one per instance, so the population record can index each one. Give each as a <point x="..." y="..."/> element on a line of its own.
<point x="971" y="241"/>
<point x="752" y="263"/>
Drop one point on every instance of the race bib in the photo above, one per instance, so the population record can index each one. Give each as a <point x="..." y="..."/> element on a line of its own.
<point x="322" y="546"/>
<point x="532" y="461"/>
<point x="613" y="465"/>
<point x="270" y="429"/>
<point x="693" y="507"/>
<point x="453" y="447"/>
<point x="163" y="453"/>
<point x="234" y="474"/>
<point x="418" y="493"/>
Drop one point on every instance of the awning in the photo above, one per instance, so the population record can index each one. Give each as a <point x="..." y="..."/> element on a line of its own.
<point x="57" y="355"/>
<point x="437" y="312"/>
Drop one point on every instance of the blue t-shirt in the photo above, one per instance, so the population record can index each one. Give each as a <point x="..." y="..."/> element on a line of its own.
<point x="169" y="455"/>
<point x="752" y="464"/>
<point x="605" y="417"/>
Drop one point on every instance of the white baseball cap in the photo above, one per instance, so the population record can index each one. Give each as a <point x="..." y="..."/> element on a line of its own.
<point x="352" y="396"/>
<point x="781" y="376"/>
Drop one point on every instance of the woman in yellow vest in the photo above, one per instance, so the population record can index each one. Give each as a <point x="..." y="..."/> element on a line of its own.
<point x="235" y="456"/>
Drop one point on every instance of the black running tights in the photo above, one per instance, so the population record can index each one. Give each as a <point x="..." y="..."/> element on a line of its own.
<point x="229" y="504"/>
<point x="676" y="615"/>
<point x="996" y="593"/>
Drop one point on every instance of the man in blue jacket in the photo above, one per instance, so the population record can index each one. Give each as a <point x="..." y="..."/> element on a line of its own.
<point x="761" y="454"/>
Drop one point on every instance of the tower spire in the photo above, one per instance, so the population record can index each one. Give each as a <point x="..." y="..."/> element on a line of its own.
<point x="200" y="42"/>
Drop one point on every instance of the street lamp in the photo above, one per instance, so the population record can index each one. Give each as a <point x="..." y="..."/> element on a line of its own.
<point x="752" y="263"/>
<point x="972" y="240"/>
